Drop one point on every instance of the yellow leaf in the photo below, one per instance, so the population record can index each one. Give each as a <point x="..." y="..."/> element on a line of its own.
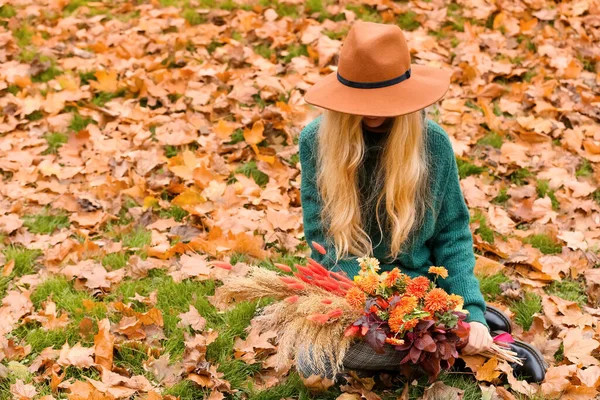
<point x="67" y="83"/>
<point x="254" y="135"/>
<point x="224" y="129"/>
<point x="488" y="371"/>
<point x="149" y="202"/>
<point x="188" y="198"/>
<point x="107" y="81"/>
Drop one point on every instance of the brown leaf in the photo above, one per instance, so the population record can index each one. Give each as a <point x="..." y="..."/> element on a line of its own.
<point x="76" y="356"/>
<point x="103" y="345"/>
<point x="193" y="319"/>
<point x="439" y="390"/>
<point x="578" y="349"/>
<point x="22" y="391"/>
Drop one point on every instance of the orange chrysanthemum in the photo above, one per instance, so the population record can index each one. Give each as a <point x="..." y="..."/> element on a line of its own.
<point x="392" y="277"/>
<point x="455" y="301"/>
<point x="439" y="271"/>
<point x="436" y="300"/>
<point x="406" y="305"/>
<point x="408" y="325"/>
<point x="394" y="341"/>
<point x="418" y="287"/>
<point x="396" y="320"/>
<point x="356" y="297"/>
<point x="368" y="283"/>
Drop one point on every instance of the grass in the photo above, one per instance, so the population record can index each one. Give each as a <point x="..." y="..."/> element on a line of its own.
<point x="544" y="243"/>
<point x="55" y="141"/>
<point x="115" y="261"/>
<point x="501" y="198"/>
<point x="46" y="222"/>
<point x="7" y="11"/>
<point x="137" y="238"/>
<point x="407" y="21"/>
<point x="24" y="259"/>
<point x="293" y="51"/>
<point x="68" y="299"/>
<point x="491" y="139"/>
<point x="466" y="168"/>
<point x="193" y="17"/>
<point x="585" y="169"/>
<point x="520" y="176"/>
<point x="101" y="98"/>
<point x="175" y="212"/>
<point x="543" y="190"/>
<point x="79" y="123"/>
<point x="251" y="170"/>
<point x="490" y="285"/>
<point x="484" y="230"/>
<point x="568" y="289"/>
<point x="526" y="308"/>
<point x="24" y="264"/>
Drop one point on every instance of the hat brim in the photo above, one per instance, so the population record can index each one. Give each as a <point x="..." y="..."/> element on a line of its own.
<point x="425" y="86"/>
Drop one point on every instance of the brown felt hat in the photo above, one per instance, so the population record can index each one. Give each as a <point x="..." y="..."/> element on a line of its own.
<point x="375" y="76"/>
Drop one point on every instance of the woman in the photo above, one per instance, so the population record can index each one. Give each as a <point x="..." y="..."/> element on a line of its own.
<point x="379" y="179"/>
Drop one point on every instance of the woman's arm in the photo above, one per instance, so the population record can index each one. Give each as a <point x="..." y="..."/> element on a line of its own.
<point x="452" y="243"/>
<point x="312" y="204"/>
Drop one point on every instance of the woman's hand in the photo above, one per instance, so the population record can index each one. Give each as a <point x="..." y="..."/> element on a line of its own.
<point x="480" y="339"/>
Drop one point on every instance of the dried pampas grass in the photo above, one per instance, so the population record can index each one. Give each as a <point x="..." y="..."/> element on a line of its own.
<point x="291" y="316"/>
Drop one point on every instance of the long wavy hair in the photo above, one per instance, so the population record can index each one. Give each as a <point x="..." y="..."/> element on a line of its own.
<point x="400" y="182"/>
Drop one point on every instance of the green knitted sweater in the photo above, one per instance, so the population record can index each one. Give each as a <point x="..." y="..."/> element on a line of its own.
<point x="444" y="238"/>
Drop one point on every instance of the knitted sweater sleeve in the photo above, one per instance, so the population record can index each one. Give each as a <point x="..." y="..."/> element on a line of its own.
<point x="312" y="205"/>
<point x="452" y="243"/>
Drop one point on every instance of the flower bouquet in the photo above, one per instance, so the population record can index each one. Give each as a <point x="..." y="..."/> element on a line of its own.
<point x="327" y="311"/>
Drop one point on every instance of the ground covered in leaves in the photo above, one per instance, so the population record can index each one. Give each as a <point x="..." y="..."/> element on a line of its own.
<point x="141" y="141"/>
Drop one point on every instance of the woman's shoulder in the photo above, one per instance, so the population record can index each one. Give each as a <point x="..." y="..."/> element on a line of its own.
<point x="438" y="141"/>
<point x="309" y="133"/>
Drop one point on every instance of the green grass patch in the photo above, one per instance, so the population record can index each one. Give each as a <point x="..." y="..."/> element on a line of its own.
<point x="585" y="169"/>
<point x="131" y="357"/>
<point x="568" y="289"/>
<point x="263" y="50"/>
<point x="24" y="259"/>
<point x="251" y="171"/>
<point x="40" y="338"/>
<point x="193" y="17"/>
<point x="407" y="21"/>
<point x="67" y="299"/>
<point x="115" y="261"/>
<point x="526" y="308"/>
<point x="136" y="238"/>
<point x="520" y="176"/>
<point x="187" y="390"/>
<point x="23" y="35"/>
<point x="101" y="98"/>
<point x="48" y="74"/>
<point x="291" y="387"/>
<point x="544" y="243"/>
<point x="484" y="230"/>
<point x="466" y="168"/>
<point x="46" y="222"/>
<point x="35" y="116"/>
<point x="74" y="5"/>
<point x="175" y="212"/>
<point x="7" y="11"/>
<point x="492" y="139"/>
<point x="294" y="50"/>
<point x="79" y="122"/>
<point x="543" y="190"/>
<point x="86" y="77"/>
<point x="490" y="285"/>
<point x="501" y="198"/>
<point x="365" y="13"/>
<point x="55" y="141"/>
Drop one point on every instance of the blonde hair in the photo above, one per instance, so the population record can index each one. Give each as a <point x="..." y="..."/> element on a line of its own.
<point x="401" y="182"/>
